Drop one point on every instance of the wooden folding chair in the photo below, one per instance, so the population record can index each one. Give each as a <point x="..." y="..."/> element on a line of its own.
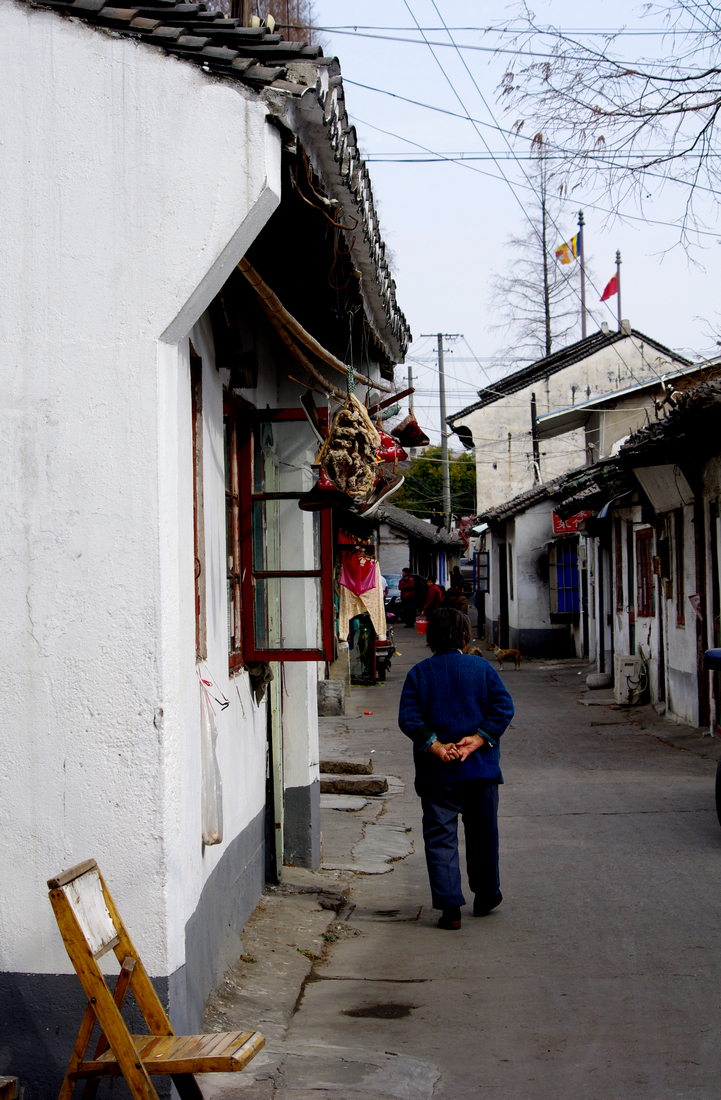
<point x="90" y="926"/>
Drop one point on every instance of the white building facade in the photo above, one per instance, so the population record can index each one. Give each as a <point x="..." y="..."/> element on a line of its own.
<point x="133" y="185"/>
<point x="502" y="426"/>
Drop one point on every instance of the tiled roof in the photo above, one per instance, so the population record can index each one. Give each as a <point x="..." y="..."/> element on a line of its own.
<point x="523" y="501"/>
<point x="303" y="89"/>
<point x="416" y="528"/>
<point x="551" y="364"/>
<point x="250" y="54"/>
<point x="693" y="424"/>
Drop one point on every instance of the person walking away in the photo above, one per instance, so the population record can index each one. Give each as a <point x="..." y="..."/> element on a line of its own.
<point x="407" y="587"/>
<point x="454" y="707"/>
<point x="456" y="578"/>
<point x="433" y="598"/>
<point x="421" y="591"/>
<point x="454" y="598"/>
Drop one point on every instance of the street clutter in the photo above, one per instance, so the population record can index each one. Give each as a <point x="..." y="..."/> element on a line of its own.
<point x="591" y="979"/>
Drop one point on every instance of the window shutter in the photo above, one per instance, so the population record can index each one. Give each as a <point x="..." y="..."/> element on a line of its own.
<point x="287" y="554"/>
<point x="553" y="579"/>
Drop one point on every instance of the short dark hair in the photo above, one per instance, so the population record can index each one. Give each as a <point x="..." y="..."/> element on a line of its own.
<point x="448" y="629"/>
<point x="405" y="569"/>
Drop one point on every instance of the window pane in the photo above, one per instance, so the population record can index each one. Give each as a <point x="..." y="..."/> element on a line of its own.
<point x="283" y="452"/>
<point x="300" y="546"/>
<point x="287" y="613"/>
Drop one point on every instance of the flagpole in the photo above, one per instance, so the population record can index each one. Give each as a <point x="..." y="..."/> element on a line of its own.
<point x="583" y="274"/>
<point x="618" y="287"/>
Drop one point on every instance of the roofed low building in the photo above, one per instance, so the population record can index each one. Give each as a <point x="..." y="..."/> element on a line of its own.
<point x="407" y="542"/>
<point x="190" y="245"/>
<point x="503" y="426"/>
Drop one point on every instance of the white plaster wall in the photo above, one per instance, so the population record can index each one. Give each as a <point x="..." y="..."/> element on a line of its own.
<point x="680" y="638"/>
<point x="131" y="182"/>
<point x="646" y="627"/>
<point x="300" y="724"/>
<point x="393" y="550"/>
<point x="504" y="467"/>
<point x="592" y="575"/>
<point x="241" y="727"/>
<point x="606" y="426"/>
<point x="493" y="596"/>
<point x="533" y="530"/>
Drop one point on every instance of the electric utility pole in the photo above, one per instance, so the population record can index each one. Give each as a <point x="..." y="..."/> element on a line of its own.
<point x="445" y="465"/>
<point x="445" y="462"/>
<point x="582" y="258"/>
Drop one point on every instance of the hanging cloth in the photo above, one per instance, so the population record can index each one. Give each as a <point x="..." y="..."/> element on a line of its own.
<point x="371" y="600"/>
<point x="358" y="572"/>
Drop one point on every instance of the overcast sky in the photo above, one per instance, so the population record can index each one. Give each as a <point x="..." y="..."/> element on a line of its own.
<point x="447" y="223"/>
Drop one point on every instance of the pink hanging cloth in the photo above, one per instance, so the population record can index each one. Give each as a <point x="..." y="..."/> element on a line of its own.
<point x="358" y="573"/>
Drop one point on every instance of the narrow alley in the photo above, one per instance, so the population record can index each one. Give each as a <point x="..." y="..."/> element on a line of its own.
<point x="594" y="979"/>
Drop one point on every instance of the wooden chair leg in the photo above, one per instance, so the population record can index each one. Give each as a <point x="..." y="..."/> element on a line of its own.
<point x="119" y="993"/>
<point x="187" y="1087"/>
<point x="79" y="1051"/>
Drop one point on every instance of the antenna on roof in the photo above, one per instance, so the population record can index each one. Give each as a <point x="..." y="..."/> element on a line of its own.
<point x="618" y="289"/>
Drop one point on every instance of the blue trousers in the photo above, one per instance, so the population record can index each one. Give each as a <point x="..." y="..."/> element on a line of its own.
<point x="476" y="800"/>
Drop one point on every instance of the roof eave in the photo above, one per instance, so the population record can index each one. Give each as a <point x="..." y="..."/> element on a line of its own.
<point x="319" y="120"/>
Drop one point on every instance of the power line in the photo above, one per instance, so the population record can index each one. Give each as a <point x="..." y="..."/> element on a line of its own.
<point x="503" y="174"/>
<point x="475" y="48"/>
<point x="503" y="178"/>
<point x="610" y="32"/>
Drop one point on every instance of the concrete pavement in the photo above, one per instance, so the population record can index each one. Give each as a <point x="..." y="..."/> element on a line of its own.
<point x="597" y="976"/>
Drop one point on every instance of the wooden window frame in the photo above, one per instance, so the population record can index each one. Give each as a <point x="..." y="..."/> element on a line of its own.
<point x="196" y="400"/>
<point x="679" y="536"/>
<point x="248" y="496"/>
<point x="645" y="593"/>
<point x="481" y="566"/>
<point x="233" y="425"/>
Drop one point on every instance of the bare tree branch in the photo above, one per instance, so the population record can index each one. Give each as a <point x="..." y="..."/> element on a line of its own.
<point x="618" y="120"/>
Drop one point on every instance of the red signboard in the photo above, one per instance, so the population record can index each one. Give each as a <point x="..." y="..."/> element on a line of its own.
<point x="568" y="526"/>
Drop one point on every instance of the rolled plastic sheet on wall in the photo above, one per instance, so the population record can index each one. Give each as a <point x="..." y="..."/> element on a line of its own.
<point x="211" y="785"/>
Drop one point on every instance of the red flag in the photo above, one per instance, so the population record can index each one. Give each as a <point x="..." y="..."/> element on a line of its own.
<point x="611" y="288"/>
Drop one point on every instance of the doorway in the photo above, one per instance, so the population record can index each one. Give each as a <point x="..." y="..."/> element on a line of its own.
<point x="502" y="596"/>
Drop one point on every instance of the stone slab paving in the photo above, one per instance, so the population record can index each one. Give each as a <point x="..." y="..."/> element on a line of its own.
<point x="596" y="979"/>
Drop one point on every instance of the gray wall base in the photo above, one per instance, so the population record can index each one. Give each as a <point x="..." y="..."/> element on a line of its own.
<point x="40" y="1015"/>
<point x="545" y="642"/>
<point x="212" y="935"/>
<point x="302" y="826"/>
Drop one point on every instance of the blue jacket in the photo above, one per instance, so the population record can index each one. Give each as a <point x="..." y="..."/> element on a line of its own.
<point x="453" y="695"/>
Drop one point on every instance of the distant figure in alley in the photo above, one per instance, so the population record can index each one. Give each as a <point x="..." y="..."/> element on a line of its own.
<point x="454" y="707"/>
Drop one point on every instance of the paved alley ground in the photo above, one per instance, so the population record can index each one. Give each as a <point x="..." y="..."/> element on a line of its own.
<point x="596" y="978"/>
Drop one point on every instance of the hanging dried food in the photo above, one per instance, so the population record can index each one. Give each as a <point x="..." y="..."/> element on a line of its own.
<point x="348" y="455"/>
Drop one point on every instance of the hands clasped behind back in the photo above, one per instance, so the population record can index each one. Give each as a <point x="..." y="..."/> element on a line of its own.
<point x="457" y="750"/>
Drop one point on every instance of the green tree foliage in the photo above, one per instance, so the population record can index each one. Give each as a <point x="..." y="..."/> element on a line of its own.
<point x="422" y="493"/>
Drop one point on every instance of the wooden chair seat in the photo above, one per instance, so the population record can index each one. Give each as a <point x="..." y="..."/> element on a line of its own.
<point x="218" y="1053"/>
<point x="91" y="928"/>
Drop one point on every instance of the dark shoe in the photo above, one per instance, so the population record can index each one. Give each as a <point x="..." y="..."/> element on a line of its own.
<point x="385" y="488"/>
<point x="450" y="919"/>
<point x="483" y="906"/>
<point x="324" y="494"/>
